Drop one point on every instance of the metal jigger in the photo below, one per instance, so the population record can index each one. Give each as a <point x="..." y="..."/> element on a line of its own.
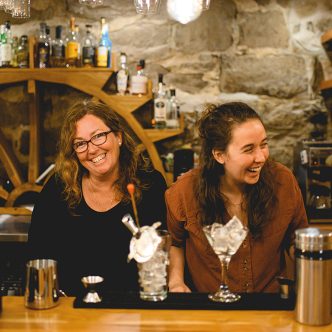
<point x="90" y="283"/>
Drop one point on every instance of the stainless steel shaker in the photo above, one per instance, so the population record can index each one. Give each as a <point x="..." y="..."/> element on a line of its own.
<point x="42" y="289"/>
<point x="313" y="276"/>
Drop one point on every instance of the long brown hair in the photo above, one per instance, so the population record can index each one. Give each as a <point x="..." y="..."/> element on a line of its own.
<point x="70" y="170"/>
<point x="215" y="129"/>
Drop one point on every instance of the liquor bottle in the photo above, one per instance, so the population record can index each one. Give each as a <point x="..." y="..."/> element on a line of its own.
<point x="43" y="48"/>
<point x="23" y="52"/>
<point x="79" y="49"/>
<point x="160" y="102"/>
<point x="122" y="75"/>
<point x="139" y="81"/>
<point x="48" y="35"/>
<point x="6" y="47"/>
<point x="172" y="120"/>
<point x="58" y="49"/>
<point x="13" y="62"/>
<point x="104" y="49"/>
<point x="72" y="46"/>
<point x="88" y="47"/>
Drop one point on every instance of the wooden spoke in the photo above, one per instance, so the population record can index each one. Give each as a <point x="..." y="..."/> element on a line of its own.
<point x="18" y="191"/>
<point x="10" y="162"/>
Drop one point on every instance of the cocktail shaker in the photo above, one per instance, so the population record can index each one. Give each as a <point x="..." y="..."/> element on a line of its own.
<point x="313" y="276"/>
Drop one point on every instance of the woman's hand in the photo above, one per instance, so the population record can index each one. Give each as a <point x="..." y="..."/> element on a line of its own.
<point x="179" y="287"/>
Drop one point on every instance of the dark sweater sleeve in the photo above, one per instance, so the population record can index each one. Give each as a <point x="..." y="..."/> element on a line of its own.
<point x="46" y="222"/>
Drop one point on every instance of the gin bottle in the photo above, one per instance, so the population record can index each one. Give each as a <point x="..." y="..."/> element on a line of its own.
<point x="104" y="49"/>
<point x="23" y="52"/>
<point x="5" y="45"/>
<point x="58" y="49"/>
<point x="139" y="81"/>
<point x="172" y="121"/>
<point x="43" y="48"/>
<point x="122" y="75"/>
<point x="88" y="47"/>
<point x="72" y="46"/>
<point x="160" y="102"/>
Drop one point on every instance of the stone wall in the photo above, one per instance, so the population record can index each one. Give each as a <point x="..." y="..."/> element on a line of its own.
<point x="265" y="52"/>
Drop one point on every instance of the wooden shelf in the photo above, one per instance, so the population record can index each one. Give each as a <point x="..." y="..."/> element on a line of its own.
<point x="90" y="81"/>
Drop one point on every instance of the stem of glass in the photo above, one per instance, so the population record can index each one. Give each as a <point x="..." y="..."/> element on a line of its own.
<point x="224" y="261"/>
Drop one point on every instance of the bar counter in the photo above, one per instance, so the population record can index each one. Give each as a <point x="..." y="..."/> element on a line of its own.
<point x="15" y="317"/>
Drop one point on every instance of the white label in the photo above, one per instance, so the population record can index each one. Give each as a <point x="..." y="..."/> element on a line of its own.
<point x="6" y="53"/>
<point x="304" y="157"/>
<point x="138" y="84"/>
<point x="160" y="109"/>
<point x="122" y="80"/>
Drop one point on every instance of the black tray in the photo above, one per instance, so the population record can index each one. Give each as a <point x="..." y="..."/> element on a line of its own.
<point x="190" y="301"/>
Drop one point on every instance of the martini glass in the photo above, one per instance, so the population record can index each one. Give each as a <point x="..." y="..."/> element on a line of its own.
<point x="225" y="240"/>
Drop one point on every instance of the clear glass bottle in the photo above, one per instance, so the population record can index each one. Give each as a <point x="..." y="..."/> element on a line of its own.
<point x="58" y="49"/>
<point x="13" y="62"/>
<point x="78" y="36"/>
<point x="88" y="47"/>
<point x="23" y="52"/>
<point x="72" y="45"/>
<point x="104" y="49"/>
<point x="172" y="120"/>
<point x="6" y="46"/>
<point x="139" y="81"/>
<point x="43" y="48"/>
<point x="122" y="75"/>
<point x="160" y="102"/>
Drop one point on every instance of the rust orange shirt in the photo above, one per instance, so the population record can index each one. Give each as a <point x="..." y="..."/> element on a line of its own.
<point x="256" y="264"/>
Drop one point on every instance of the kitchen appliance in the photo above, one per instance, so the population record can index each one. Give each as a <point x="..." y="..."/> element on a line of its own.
<point x="313" y="170"/>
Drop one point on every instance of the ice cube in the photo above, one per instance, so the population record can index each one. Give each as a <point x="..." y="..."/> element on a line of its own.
<point x="237" y="233"/>
<point x="144" y="247"/>
<point x="220" y="238"/>
<point x="234" y="224"/>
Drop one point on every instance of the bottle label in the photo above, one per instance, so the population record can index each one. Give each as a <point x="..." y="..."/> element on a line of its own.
<point x="72" y="50"/>
<point x="122" y="81"/>
<point x="138" y="84"/>
<point x="102" y="55"/>
<point x="6" y="53"/>
<point x="43" y="57"/>
<point x="88" y="55"/>
<point x="160" y="110"/>
<point x="58" y="51"/>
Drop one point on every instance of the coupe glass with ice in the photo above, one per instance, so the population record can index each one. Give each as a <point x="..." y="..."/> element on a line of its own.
<point x="225" y="241"/>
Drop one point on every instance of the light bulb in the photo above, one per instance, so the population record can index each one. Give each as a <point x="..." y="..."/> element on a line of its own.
<point x="184" y="11"/>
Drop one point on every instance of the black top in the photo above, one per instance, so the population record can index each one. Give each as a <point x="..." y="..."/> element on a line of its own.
<point x="91" y="243"/>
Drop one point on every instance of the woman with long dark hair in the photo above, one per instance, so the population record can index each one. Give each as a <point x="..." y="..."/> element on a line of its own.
<point x="77" y="218"/>
<point x="235" y="177"/>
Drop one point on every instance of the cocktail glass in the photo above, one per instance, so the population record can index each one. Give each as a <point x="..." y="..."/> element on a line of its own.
<point x="153" y="273"/>
<point x="225" y="241"/>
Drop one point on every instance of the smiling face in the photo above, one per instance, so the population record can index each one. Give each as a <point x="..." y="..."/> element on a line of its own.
<point x="102" y="160"/>
<point x="245" y="155"/>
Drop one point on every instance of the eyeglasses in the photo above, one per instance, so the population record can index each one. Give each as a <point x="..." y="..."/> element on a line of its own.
<point x="96" y="140"/>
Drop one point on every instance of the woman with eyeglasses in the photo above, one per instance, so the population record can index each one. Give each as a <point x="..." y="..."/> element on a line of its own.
<point x="77" y="218"/>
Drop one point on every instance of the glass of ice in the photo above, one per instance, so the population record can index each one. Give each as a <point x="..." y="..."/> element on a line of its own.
<point x="225" y="241"/>
<point x="153" y="273"/>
